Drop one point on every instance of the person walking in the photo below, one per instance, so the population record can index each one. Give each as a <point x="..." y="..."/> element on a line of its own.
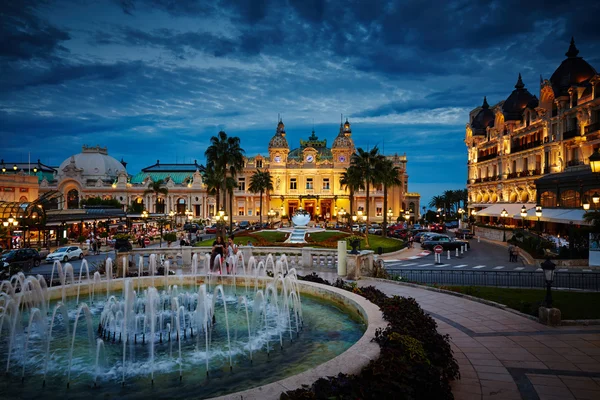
<point x="511" y="249"/>
<point x="516" y="253"/>
<point x="218" y="248"/>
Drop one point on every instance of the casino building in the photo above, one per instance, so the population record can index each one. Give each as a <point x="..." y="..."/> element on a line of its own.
<point x="306" y="176"/>
<point x="526" y="150"/>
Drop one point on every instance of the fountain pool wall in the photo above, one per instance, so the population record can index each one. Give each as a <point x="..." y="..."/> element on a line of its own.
<point x="351" y="361"/>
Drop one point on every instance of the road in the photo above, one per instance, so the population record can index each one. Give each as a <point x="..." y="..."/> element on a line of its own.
<point x="487" y="264"/>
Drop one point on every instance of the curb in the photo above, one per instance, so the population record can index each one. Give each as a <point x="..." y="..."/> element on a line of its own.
<point x="566" y="322"/>
<point x="527" y="258"/>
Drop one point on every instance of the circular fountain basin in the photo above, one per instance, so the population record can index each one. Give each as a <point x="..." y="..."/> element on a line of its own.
<point x="334" y="337"/>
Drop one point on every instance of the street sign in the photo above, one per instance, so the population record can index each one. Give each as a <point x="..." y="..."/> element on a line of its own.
<point x="438" y="249"/>
<point x="147" y="242"/>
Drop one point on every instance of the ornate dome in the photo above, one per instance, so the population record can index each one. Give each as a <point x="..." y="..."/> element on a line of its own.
<point x="518" y="100"/>
<point x="344" y="138"/>
<point x="279" y="140"/>
<point x="572" y="71"/>
<point x="484" y="119"/>
<point x="94" y="163"/>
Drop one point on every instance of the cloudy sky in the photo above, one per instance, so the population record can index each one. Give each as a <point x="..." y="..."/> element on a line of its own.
<point x="154" y="79"/>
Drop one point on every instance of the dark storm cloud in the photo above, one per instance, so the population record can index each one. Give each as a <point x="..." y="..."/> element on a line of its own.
<point x="24" y="35"/>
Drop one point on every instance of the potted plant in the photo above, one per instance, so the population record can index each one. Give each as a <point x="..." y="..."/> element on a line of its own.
<point x="170" y="238"/>
<point x="354" y="242"/>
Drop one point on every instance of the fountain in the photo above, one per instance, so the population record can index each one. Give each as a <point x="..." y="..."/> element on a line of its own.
<point x="300" y="220"/>
<point x="217" y="332"/>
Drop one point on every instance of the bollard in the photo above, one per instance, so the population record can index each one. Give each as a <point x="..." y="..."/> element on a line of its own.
<point x="457" y="251"/>
<point x="478" y="241"/>
<point x="448" y="254"/>
<point x="466" y="247"/>
<point x="462" y="248"/>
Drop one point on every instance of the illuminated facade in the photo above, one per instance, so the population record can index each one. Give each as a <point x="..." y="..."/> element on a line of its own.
<point x="307" y="176"/>
<point x="514" y="143"/>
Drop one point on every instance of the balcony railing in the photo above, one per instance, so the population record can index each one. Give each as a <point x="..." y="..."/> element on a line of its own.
<point x="570" y="134"/>
<point x="486" y="157"/>
<point x="591" y="128"/>
<point x="515" y="148"/>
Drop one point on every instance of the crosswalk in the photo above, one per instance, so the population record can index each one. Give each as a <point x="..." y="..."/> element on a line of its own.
<point x="399" y="264"/>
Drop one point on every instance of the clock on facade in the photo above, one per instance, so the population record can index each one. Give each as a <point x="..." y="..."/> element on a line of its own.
<point x="342" y="159"/>
<point x="310" y="158"/>
<point x="277" y="159"/>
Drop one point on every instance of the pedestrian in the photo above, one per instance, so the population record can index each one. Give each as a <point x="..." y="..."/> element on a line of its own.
<point x="410" y="241"/>
<point x="232" y="250"/>
<point x="94" y="246"/>
<point x="516" y="253"/>
<point x="510" y="252"/>
<point x="182" y="241"/>
<point x="218" y="248"/>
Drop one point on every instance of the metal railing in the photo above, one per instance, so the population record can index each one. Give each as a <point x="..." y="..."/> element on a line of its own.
<point x="524" y="279"/>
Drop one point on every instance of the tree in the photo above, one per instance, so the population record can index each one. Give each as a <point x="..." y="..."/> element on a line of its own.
<point x="98" y="201"/>
<point x="352" y="181"/>
<point x="225" y="155"/>
<point x="367" y="162"/>
<point x="156" y="188"/>
<point x="388" y="177"/>
<point x="260" y="182"/>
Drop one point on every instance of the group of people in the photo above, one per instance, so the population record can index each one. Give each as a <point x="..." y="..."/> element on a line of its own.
<point x="225" y="250"/>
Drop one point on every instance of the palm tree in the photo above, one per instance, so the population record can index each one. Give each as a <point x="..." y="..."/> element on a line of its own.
<point x="230" y="185"/>
<point x="367" y="162"/>
<point x="260" y="182"/>
<point x="156" y="188"/>
<point x="225" y="155"/>
<point x="388" y="177"/>
<point x="213" y="180"/>
<point x="352" y="181"/>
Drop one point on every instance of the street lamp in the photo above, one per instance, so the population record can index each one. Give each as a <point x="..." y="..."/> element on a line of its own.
<point x="461" y="212"/>
<point x="504" y="214"/>
<point x="145" y="216"/>
<point x="407" y="217"/>
<point x="538" y="214"/>
<point x="548" y="267"/>
<point x="271" y="215"/>
<point x="390" y="214"/>
<point x="523" y="215"/>
<point x="595" y="161"/>
<point x="595" y="199"/>
<point x="171" y="215"/>
<point x="439" y="212"/>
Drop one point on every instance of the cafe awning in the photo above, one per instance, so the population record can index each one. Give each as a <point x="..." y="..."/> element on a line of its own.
<point x="513" y="210"/>
<point x="560" y="215"/>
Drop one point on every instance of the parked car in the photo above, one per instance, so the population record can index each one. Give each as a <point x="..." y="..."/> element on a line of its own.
<point x="65" y="254"/>
<point x="445" y="241"/>
<point x="375" y="229"/>
<point x="416" y="226"/>
<point x="417" y="236"/>
<point x="244" y="225"/>
<point x="440" y="228"/>
<point x="355" y="228"/>
<point x="452" y="224"/>
<point x="23" y="258"/>
<point x="464" y="234"/>
<point x="210" y="229"/>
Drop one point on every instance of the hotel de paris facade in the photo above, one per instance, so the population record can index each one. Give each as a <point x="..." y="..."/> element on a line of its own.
<point x="525" y="151"/>
<point x="306" y="176"/>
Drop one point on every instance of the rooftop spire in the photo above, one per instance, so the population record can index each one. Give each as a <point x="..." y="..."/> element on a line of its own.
<point x="520" y="84"/>
<point x="572" y="53"/>
<point x="485" y="103"/>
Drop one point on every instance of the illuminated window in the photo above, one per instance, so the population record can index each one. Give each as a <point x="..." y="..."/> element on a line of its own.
<point x="378" y="211"/>
<point x="258" y="163"/>
<point x="309" y="183"/>
<point x="569" y="199"/>
<point x="240" y="210"/>
<point x="548" y="199"/>
<point x="293" y="184"/>
<point x="242" y="184"/>
<point x="326" y="183"/>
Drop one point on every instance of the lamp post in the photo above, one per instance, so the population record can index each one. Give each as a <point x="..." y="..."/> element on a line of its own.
<point x="145" y="217"/>
<point x="341" y="214"/>
<point x="595" y="200"/>
<point x="595" y="161"/>
<point x="390" y="215"/>
<point x="407" y="217"/>
<point x="504" y="214"/>
<point x="548" y="267"/>
<point x="439" y="212"/>
<point x="538" y="214"/>
<point x="461" y="213"/>
<point x="271" y="215"/>
<point x="171" y="215"/>
<point x="523" y="215"/>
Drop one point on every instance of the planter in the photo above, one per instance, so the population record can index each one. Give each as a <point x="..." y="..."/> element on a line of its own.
<point x="354" y="244"/>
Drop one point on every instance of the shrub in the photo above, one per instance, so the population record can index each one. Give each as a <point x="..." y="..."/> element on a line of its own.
<point x="170" y="237"/>
<point x="415" y="362"/>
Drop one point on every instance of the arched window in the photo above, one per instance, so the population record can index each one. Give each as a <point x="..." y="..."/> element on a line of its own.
<point x="181" y="206"/>
<point x="73" y="199"/>
<point x="569" y="199"/>
<point x="23" y="199"/>
<point x="548" y="199"/>
<point x="160" y="205"/>
<point x="411" y="206"/>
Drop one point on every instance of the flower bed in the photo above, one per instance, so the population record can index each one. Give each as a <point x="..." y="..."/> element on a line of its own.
<point x="416" y="362"/>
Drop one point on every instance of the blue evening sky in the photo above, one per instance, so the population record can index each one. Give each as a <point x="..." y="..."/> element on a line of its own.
<point x="155" y="79"/>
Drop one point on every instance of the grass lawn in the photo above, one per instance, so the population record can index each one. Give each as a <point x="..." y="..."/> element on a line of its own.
<point x="388" y="244"/>
<point x="271" y="236"/>
<point x="572" y="305"/>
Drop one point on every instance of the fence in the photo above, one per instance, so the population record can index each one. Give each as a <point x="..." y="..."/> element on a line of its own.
<point x="524" y="279"/>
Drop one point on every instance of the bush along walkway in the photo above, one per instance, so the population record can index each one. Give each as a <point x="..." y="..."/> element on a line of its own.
<point x="503" y="355"/>
<point x="415" y="363"/>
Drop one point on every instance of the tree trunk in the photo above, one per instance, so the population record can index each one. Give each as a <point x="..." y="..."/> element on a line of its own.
<point x="367" y="221"/>
<point x="385" y="221"/>
<point x="260" y="209"/>
<point x="349" y="216"/>
<point x="231" y="212"/>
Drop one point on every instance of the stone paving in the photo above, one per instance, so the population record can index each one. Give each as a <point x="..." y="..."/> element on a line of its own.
<point x="505" y="356"/>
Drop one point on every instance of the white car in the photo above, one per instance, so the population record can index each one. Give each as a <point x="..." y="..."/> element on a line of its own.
<point x="65" y="254"/>
<point x="355" y="228"/>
